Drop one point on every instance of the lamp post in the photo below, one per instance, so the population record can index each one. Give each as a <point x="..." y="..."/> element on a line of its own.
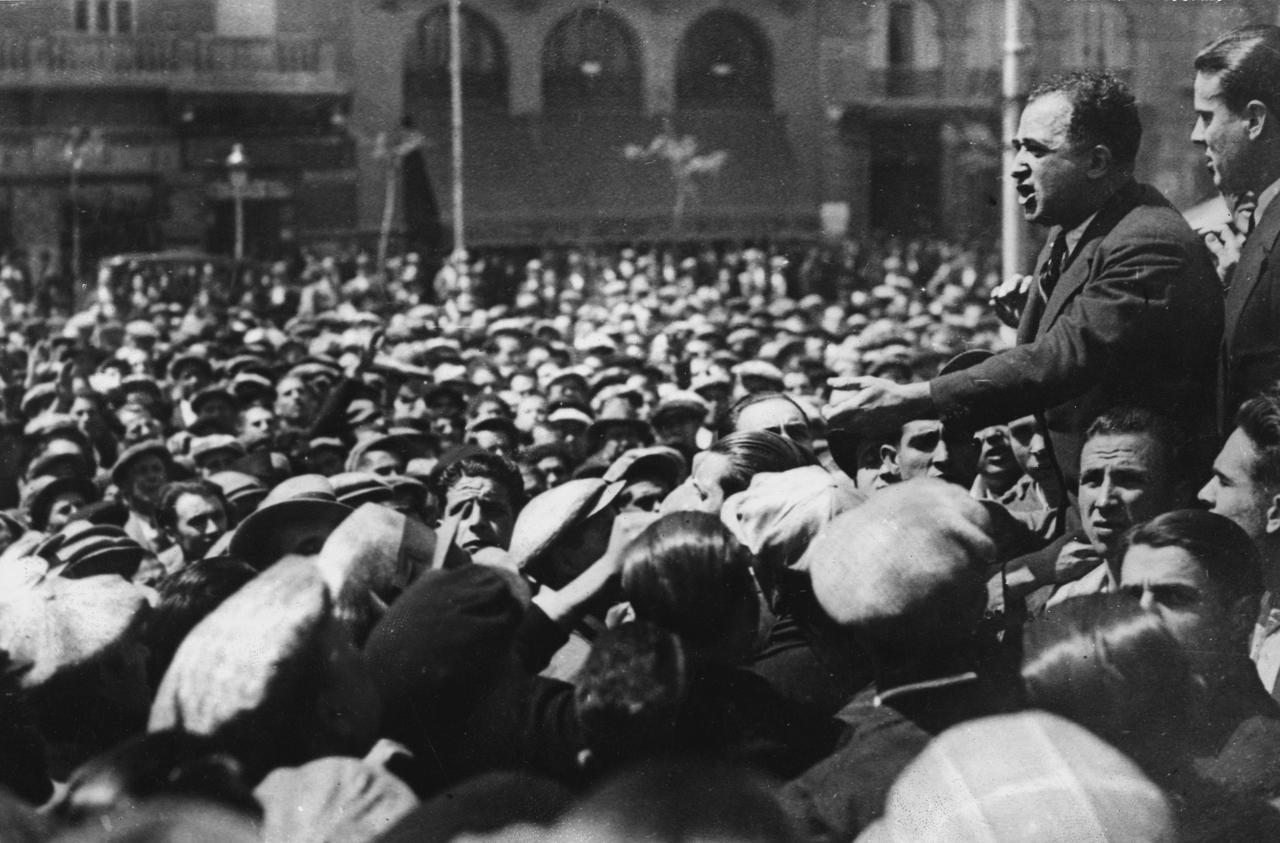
<point x="238" y="175"/>
<point x="82" y="144"/>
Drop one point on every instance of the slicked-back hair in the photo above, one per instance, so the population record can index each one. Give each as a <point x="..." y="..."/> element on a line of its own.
<point x="1247" y="64"/>
<point x="1103" y="112"/>
<point x="1259" y="419"/>
<point x="1217" y="543"/>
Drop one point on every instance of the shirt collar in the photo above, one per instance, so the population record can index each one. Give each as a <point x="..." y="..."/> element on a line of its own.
<point x="1264" y="199"/>
<point x="1073" y="236"/>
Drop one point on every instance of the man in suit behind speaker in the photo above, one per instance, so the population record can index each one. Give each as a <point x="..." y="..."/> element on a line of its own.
<point x="1124" y="308"/>
<point x="1237" y="104"/>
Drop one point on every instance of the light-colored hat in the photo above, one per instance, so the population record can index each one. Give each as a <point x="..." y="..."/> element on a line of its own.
<point x="556" y="512"/>
<point x="59" y="625"/>
<point x="1016" y="777"/>
<point x="332" y="800"/>
<point x="911" y="550"/>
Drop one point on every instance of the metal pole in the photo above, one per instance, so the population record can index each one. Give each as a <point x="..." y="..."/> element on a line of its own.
<point x="239" y="204"/>
<point x="455" y="90"/>
<point x="1011" y="230"/>
<point x="75" y="221"/>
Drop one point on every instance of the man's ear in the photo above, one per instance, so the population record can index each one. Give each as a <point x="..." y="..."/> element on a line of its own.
<point x="1257" y="116"/>
<point x="888" y="458"/>
<point x="1101" y="161"/>
<point x="1273" y="515"/>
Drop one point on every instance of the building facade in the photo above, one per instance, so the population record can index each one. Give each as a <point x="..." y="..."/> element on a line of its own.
<point x="632" y="120"/>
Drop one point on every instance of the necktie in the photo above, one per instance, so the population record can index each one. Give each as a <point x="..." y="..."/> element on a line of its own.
<point x="1242" y="216"/>
<point x="1052" y="268"/>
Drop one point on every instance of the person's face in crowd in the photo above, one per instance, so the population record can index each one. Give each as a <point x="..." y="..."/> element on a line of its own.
<point x="495" y="442"/>
<point x="1225" y="135"/>
<point x="295" y="402"/>
<point x="146" y="476"/>
<point x="508" y="353"/>
<point x="567" y="390"/>
<point x="779" y="416"/>
<point x="1234" y="493"/>
<point x="219" y="412"/>
<point x="200" y="521"/>
<point x="326" y="461"/>
<point x="555" y="469"/>
<point x="1124" y="480"/>
<point x="617" y="439"/>
<point x="573" y="435"/>
<point x="141" y="397"/>
<point x="680" y="431"/>
<point x="1170" y="582"/>
<point x="446" y="402"/>
<point x="64" y="506"/>
<point x="1031" y="449"/>
<point x="88" y="417"/>
<point x="797" y="383"/>
<point x="530" y="412"/>
<point x="523" y="384"/>
<point x="481" y="514"/>
<point x="380" y="462"/>
<point x="191" y="379"/>
<point x="648" y="397"/>
<point x="408" y="405"/>
<point x="449" y="428"/>
<point x="258" y="423"/>
<point x="535" y="482"/>
<point x="486" y="379"/>
<point x="702" y="491"/>
<point x="211" y="464"/>
<point x="996" y="460"/>
<point x="643" y="495"/>
<point x="1051" y="172"/>
<point x="717" y="397"/>
<point x="138" y="426"/>
<point x="927" y="448"/>
<point x="492" y="406"/>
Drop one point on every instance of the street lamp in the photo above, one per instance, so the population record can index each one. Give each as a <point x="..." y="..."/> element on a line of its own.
<point x="238" y="175"/>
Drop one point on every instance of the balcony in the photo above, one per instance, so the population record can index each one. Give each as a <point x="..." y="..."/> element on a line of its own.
<point x="204" y="63"/>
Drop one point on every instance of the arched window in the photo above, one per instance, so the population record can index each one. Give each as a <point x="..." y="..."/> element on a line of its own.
<point x="905" y="43"/>
<point x="484" y="59"/>
<point x="591" y="60"/>
<point x="724" y="61"/>
<point x="1098" y="35"/>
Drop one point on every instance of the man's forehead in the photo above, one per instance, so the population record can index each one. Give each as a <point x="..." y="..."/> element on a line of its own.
<point x="475" y="487"/>
<point x="1046" y="118"/>
<point x="921" y="427"/>
<point x="1207" y="86"/>
<point x="1145" y="564"/>
<point x="1120" y="448"/>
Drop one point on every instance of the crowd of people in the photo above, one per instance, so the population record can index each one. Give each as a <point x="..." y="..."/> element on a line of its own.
<point x="745" y="544"/>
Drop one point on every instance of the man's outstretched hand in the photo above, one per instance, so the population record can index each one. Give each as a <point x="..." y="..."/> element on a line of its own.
<point x="876" y="406"/>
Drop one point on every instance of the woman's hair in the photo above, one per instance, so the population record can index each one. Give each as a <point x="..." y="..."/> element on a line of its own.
<point x="1111" y="666"/>
<point x="687" y="573"/>
<point x="754" y="451"/>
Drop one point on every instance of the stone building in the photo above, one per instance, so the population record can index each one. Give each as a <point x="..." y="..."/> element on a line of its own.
<point x="850" y="114"/>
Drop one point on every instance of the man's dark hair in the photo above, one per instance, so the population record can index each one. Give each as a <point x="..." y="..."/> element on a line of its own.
<point x="498" y="469"/>
<point x="186" y="597"/>
<point x="1247" y="64"/>
<point x="1217" y="543"/>
<point x="1259" y="418"/>
<point x="630" y="692"/>
<point x="752" y="452"/>
<point x="1132" y="420"/>
<point x="166" y="508"/>
<point x="1102" y="112"/>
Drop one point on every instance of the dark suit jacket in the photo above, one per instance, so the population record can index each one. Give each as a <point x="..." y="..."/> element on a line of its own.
<point x="1135" y="318"/>
<point x="1250" y="359"/>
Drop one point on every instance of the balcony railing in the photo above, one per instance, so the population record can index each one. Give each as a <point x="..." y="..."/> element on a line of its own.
<point x="286" y="62"/>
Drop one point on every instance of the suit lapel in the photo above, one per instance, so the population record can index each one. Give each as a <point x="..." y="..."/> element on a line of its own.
<point x="1034" y="308"/>
<point x="1249" y="268"/>
<point x="1078" y="269"/>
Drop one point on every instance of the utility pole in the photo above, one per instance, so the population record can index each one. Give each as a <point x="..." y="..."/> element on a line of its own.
<point x="455" y="100"/>
<point x="1010" y="214"/>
